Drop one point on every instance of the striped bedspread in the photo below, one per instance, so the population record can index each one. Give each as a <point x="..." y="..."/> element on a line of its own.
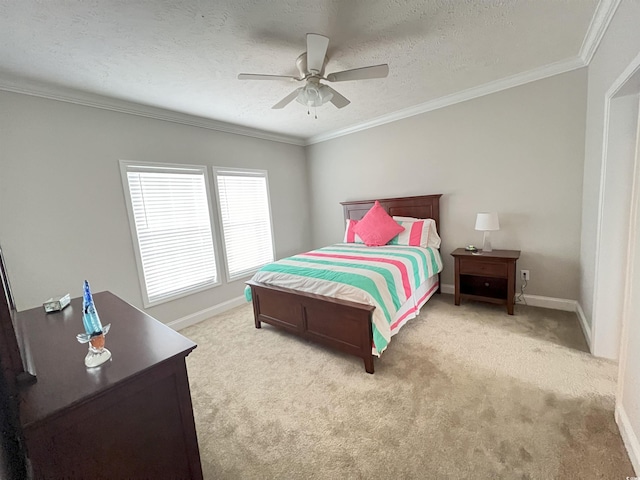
<point x="385" y="277"/>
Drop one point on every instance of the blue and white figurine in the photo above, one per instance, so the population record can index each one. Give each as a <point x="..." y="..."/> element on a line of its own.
<point x="94" y="332"/>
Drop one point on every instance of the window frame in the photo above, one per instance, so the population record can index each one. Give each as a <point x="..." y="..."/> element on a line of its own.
<point x="125" y="166"/>
<point x="247" y="172"/>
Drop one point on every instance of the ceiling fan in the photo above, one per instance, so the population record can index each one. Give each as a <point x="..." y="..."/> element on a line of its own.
<point x="311" y="65"/>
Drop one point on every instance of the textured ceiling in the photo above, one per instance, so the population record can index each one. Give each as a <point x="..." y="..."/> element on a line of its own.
<point x="185" y="55"/>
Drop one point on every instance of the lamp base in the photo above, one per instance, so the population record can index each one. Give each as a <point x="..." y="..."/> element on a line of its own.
<point x="486" y="242"/>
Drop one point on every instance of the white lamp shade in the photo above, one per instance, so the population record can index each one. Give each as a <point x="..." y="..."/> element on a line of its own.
<point x="487" y="222"/>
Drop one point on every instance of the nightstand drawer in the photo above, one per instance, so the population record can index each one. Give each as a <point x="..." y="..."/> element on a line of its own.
<point x="477" y="267"/>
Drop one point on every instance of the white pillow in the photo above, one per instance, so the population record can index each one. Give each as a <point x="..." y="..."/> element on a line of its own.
<point x="349" y="235"/>
<point x="431" y="233"/>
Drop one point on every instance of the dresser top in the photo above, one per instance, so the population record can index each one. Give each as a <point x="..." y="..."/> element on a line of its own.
<point x="136" y="340"/>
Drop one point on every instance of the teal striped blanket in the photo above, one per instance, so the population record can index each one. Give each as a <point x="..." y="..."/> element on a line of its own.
<point x="386" y="277"/>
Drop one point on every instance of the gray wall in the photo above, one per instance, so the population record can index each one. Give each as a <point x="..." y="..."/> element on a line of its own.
<point x="62" y="212"/>
<point x="518" y="152"/>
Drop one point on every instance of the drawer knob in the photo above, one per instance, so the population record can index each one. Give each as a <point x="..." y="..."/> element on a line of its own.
<point x="486" y="284"/>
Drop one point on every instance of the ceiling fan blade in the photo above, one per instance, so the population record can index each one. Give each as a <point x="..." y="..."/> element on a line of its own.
<point x="375" y="71"/>
<point x="338" y="100"/>
<point x="316" y="51"/>
<point x="286" y="100"/>
<point x="258" y="76"/>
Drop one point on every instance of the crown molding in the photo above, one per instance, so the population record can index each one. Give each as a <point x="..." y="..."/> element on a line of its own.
<point x="462" y="96"/>
<point x="116" y="105"/>
<point x="598" y="26"/>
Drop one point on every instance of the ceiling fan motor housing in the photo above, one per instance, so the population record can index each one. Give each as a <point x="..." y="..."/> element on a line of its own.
<point x="301" y="63"/>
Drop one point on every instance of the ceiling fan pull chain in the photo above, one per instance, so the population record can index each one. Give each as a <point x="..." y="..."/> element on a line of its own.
<point x="315" y="112"/>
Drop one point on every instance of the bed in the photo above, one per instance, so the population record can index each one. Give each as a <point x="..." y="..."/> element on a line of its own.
<point x="345" y="325"/>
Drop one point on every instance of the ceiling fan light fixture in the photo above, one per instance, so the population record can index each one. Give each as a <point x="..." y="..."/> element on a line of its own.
<point x="325" y="94"/>
<point x="309" y="95"/>
<point x="314" y="95"/>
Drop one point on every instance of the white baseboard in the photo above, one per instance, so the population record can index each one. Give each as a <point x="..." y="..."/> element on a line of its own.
<point x="563" y="304"/>
<point x="198" y="317"/>
<point x="629" y="437"/>
<point x="586" y="329"/>
<point x="548" y="302"/>
<point x="445" y="288"/>
<point x="532" y="300"/>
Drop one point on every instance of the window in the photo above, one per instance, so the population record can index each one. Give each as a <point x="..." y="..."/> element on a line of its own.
<point x="168" y="208"/>
<point x="243" y="199"/>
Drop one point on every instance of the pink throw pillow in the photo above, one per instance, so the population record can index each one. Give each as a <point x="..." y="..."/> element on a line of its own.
<point x="377" y="227"/>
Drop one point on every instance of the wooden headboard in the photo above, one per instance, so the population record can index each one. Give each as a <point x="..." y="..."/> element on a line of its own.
<point x="424" y="206"/>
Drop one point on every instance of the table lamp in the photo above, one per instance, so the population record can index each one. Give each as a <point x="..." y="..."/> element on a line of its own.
<point x="486" y="222"/>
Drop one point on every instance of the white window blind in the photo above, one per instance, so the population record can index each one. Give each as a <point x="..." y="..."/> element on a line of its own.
<point x="169" y="210"/>
<point x="243" y="199"/>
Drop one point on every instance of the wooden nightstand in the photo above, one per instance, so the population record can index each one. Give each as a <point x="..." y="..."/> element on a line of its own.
<point x="486" y="276"/>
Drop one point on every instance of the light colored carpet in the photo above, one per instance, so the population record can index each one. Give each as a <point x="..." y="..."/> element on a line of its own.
<point x="462" y="392"/>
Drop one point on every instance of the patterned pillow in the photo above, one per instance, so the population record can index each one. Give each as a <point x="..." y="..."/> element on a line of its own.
<point x="419" y="232"/>
<point x="377" y="227"/>
<point x="349" y="235"/>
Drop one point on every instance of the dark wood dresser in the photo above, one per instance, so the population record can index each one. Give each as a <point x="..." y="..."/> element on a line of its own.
<point x="129" y="418"/>
<point x="486" y="276"/>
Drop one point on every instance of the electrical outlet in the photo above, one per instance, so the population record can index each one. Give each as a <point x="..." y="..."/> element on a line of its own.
<point x="524" y="275"/>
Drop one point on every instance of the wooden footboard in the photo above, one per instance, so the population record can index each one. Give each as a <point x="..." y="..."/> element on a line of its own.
<point x="340" y="324"/>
